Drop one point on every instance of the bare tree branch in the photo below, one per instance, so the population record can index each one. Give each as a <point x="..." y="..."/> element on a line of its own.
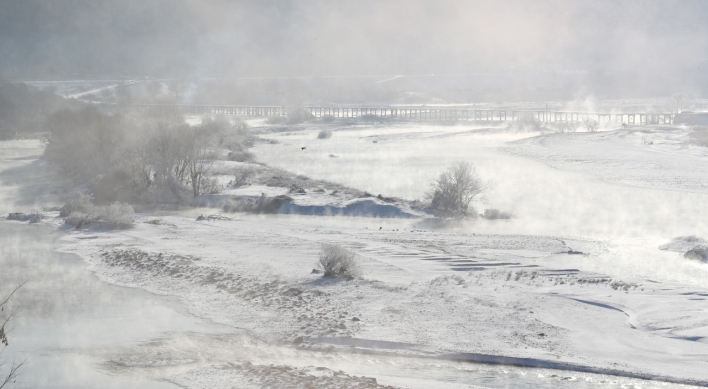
<point x="17" y="367"/>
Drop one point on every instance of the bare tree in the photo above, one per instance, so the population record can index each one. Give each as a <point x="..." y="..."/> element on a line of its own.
<point x="17" y="366"/>
<point x="197" y="163"/>
<point x="590" y="125"/>
<point x="451" y="193"/>
<point x="678" y="102"/>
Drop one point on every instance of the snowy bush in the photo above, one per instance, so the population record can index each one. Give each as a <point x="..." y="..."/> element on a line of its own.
<point x="80" y="203"/>
<point x="682" y="244"/>
<point x="338" y="262"/>
<point x="297" y="116"/>
<point x="451" y="193"/>
<point x="526" y="121"/>
<point x="112" y="216"/>
<point x="211" y="185"/>
<point x="243" y="176"/>
<point x="324" y="134"/>
<point x="264" y="204"/>
<point x="232" y="134"/>
<point x="590" y="125"/>
<point x="561" y="127"/>
<point x="698" y="253"/>
<point x="241" y="156"/>
<point x="494" y="214"/>
<point x="34" y="217"/>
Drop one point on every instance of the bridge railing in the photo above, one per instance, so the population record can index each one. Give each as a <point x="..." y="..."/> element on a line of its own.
<point x="426" y="113"/>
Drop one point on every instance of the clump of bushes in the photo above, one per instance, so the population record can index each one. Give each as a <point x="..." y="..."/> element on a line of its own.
<point x="114" y="216"/>
<point x="561" y="127"/>
<point x="23" y="109"/>
<point x="153" y="157"/>
<point x="243" y="176"/>
<point x="495" y="214"/>
<point x="526" y="121"/>
<point x="324" y="134"/>
<point x="80" y="203"/>
<point x="684" y="243"/>
<point x="262" y="205"/>
<point x="336" y="261"/>
<point x="34" y="217"/>
<point x="241" y="156"/>
<point x="80" y="212"/>
<point x="452" y="192"/>
<point x="298" y="116"/>
<point x="698" y="253"/>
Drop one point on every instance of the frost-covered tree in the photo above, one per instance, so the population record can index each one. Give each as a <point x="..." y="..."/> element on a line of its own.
<point x="678" y="102"/>
<point x="452" y="192"/>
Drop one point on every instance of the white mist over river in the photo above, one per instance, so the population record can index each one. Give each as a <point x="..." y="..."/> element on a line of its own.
<point x="402" y="160"/>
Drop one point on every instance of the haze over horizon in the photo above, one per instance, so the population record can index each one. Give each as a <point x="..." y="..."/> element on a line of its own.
<point x="648" y="47"/>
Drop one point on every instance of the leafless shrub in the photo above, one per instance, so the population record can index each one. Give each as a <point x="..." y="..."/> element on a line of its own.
<point x="211" y="185"/>
<point x="590" y="125"/>
<point x="267" y="204"/>
<point x="17" y="366"/>
<point x="623" y="286"/>
<point x="80" y="203"/>
<point x="698" y="253"/>
<point x="232" y="134"/>
<point x="678" y="102"/>
<point x="155" y="157"/>
<point x="451" y="193"/>
<point x="495" y="214"/>
<point x="264" y="204"/>
<point x="114" y="216"/>
<point x="526" y="121"/>
<point x="85" y="143"/>
<point x="243" y="176"/>
<point x="298" y="116"/>
<point x="324" y="134"/>
<point x="337" y="262"/>
<point x="34" y="217"/>
<point x="239" y="204"/>
<point x="241" y="156"/>
<point x="561" y="127"/>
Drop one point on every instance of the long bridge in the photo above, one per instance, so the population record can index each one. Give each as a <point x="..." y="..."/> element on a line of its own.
<point x="425" y="113"/>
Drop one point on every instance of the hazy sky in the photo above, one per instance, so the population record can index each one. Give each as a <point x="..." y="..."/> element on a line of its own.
<point x="644" y="40"/>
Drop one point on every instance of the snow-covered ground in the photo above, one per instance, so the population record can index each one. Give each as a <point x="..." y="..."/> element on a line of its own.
<point x="575" y="281"/>
<point x="657" y="157"/>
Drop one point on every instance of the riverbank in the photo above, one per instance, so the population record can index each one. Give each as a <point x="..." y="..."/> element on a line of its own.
<point x="462" y="291"/>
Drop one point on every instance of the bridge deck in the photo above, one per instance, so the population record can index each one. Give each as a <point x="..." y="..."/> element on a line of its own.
<point x="428" y="114"/>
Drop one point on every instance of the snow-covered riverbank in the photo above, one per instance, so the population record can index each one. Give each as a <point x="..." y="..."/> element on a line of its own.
<point x="549" y="292"/>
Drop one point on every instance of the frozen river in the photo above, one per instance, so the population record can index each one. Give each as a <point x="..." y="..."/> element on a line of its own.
<point x="77" y="331"/>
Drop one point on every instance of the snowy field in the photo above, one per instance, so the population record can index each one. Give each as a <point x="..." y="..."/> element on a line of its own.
<point x="573" y="291"/>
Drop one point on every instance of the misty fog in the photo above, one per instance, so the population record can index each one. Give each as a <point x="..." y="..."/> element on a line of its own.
<point x="370" y="194"/>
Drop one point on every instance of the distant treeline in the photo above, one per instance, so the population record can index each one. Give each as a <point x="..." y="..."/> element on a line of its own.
<point x="23" y="110"/>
